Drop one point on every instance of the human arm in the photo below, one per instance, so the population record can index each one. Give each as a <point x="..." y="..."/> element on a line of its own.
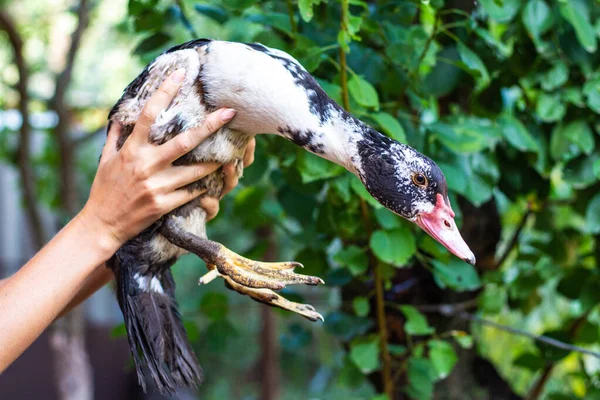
<point x="132" y="189"/>
<point x="102" y="275"/>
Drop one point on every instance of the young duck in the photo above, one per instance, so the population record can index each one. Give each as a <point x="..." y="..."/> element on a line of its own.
<point x="271" y="93"/>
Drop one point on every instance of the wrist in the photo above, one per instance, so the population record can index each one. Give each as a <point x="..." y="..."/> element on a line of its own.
<point x="102" y="235"/>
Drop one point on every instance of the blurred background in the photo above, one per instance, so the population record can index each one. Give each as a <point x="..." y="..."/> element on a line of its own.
<point x="503" y="94"/>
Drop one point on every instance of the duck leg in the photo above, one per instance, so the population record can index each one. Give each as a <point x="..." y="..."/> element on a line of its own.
<point x="252" y="278"/>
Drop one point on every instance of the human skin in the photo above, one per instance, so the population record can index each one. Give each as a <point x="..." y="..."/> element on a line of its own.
<point x="132" y="189"/>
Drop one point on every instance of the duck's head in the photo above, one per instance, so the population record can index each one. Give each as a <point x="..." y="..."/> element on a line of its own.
<point x="412" y="186"/>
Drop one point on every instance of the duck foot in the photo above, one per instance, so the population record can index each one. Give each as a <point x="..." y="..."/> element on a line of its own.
<point x="251" y="278"/>
<point x="256" y="274"/>
<point x="270" y="298"/>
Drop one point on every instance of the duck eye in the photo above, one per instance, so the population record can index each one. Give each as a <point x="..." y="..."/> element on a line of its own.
<point x="419" y="180"/>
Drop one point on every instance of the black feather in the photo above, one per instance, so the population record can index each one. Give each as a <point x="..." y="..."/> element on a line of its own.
<point x="155" y="330"/>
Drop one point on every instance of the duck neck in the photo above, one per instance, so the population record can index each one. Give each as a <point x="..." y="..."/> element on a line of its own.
<point x="338" y="138"/>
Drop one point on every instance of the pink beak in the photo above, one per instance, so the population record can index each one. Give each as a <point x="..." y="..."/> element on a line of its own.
<point x="440" y="225"/>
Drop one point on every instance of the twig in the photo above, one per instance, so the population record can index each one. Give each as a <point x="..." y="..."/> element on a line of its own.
<point x="458" y="310"/>
<point x="426" y="47"/>
<point x="27" y="173"/>
<point x="291" y="14"/>
<point x="538" y="388"/>
<point x="514" y="240"/>
<point x="186" y="20"/>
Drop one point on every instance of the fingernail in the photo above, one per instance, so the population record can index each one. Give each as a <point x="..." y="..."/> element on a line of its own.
<point x="178" y="75"/>
<point x="227" y="114"/>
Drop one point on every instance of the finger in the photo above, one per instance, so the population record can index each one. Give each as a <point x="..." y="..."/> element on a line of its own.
<point x="179" y="176"/>
<point x="188" y="140"/>
<point x="159" y="101"/>
<point x="211" y="206"/>
<point x="231" y="178"/>
<point x="180" y="197"/>
<point x="249" y="153"/>
<point x="110" y="146"/>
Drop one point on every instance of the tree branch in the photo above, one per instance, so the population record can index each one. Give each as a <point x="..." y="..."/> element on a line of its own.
<point x="23" y="158"/>
<point x="458" y="310"/>
<point x="67" y="339"/>
<point x="514" y="240"/>
<point x="68" y="190"/>
<point x="538" y="388"/>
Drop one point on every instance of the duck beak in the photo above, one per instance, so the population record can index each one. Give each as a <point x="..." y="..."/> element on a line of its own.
<point x="440" y="225"/>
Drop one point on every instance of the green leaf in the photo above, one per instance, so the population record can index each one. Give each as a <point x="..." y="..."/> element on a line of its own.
<point x="354" y="258"/>
<point x="463" y="339"/>
<point x="152" y="42"/>
<point x="517" y="135"/>
<point x="456" y="275"/>
<point x="313" y="168"/>
<point x="364" y="353"/>
<point x="531" y="361"/>
<point x="501" y="11"/>
<point x="475" y="66"/>
<point x="394" y="349"/>
<point x="537" y="18"/>
<point x="213" y="12"/>
<point x="416" y="323"/>
<point x="569" y="141"/>
<point x="363" y="92"/>
<point x="214" y="305"/>
<point x="591" y="90"/>
<point x="550" y="107"/>
<point x="592" y="215"/>
<point x="557" y="76"/>
<point x="306" y="9"/>
<point x="551" y="353"/>
<point x="493" y="299"/>
<point x="387" y="219"/>
<point x="395" y="246"/>
<point x="390" y="126"/>
<point x="459" y="139"/>
<point x="239" y="4"/>
<point x="421" y="376"/>
<point x="361" y="306"/>
<point x="443" y="357"/>
<point x="577" y="14"/>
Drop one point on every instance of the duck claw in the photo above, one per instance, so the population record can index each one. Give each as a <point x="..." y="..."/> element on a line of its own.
<point x="256" y="274"/>
<point x="270" y="298"/>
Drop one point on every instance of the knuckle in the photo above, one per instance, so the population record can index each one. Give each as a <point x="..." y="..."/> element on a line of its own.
<point x="210" y="125"/>
<point x="184" y="143"/>
<point x="150" y="112"/>
<point x="156" y="206"/>
<point x="165" y="90"/>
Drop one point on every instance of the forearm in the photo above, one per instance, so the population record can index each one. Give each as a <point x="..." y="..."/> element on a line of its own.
<point x="36" y="295"/>
<point x="100" y="277"/>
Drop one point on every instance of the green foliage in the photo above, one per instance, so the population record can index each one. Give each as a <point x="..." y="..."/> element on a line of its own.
<point x="503" y="96"/>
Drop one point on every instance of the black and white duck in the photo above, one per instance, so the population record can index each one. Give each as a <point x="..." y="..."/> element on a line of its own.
<point x="271" y="93"/>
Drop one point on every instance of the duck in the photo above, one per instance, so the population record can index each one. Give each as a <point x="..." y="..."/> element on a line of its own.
<point x="272" y="93"/>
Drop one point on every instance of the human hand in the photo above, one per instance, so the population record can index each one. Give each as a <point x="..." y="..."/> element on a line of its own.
<point x="211" y="204"/>
<point x="138" y="184"/>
